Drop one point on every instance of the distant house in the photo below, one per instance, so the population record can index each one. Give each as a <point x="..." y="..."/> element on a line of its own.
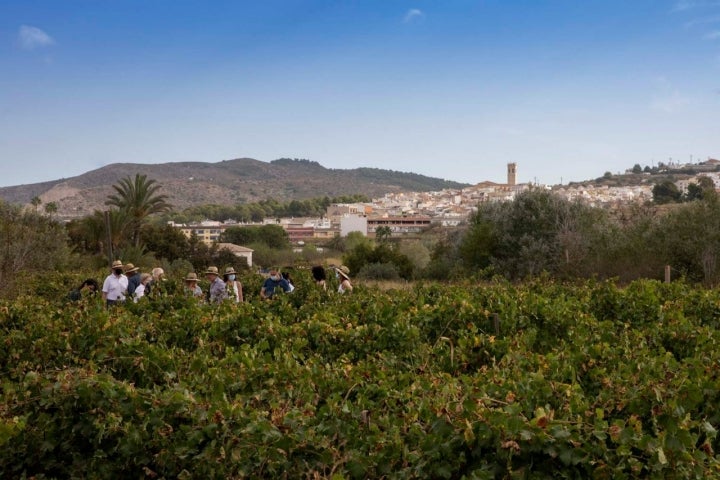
<point x="337" y="210"/>
<point x="239" y="251"/>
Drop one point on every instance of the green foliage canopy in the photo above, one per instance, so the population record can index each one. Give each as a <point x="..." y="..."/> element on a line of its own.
<point x="666" y="192"/>
<point x="537" y="232"/>
<point x="273" y="236"/>
<point x="30" y="244"/>
<point x="584" y="381"/>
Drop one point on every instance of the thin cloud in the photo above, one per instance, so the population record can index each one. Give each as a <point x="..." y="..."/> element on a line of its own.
<point x="683" y="5"/>
<point x="713" y="35"/>
<point x="671" y="103"/>
<point x="702" y="21"/>
<point x="668" y="99"/>
<point x="31" y="38"/>
<point x="413" y="15"/>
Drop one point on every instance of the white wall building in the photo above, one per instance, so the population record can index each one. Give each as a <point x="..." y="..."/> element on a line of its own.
<point x="353" y="223"/>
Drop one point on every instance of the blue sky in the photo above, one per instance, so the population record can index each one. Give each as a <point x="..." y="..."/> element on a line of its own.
<point x="454" y="89"/>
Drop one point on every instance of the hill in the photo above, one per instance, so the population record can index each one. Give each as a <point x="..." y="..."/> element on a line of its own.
<point x="226" y="183"/>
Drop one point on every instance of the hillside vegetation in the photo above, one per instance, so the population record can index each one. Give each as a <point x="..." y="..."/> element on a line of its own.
<point x="228" y="182"/>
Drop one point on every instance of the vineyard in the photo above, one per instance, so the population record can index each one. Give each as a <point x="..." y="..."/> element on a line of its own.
<point x="538" y="380"/>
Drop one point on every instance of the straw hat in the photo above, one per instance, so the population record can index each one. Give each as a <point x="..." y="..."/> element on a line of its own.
<point x="344" y="271"/>
<point x="191" y="277"/>
<point x="230" y="271"/>
<point x="212" y="271"/>
<point x="117" y="264"/>
<point x="129" y="268"/>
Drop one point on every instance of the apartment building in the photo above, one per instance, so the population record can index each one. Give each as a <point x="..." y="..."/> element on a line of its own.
<point x="207" y="231"/>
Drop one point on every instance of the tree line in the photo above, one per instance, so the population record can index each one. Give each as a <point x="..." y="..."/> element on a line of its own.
<point x="541" y="233"/>
<point x="257" y="211"/>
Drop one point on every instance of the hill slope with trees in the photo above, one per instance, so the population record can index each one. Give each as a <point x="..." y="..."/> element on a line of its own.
<point x="228" y="182"/>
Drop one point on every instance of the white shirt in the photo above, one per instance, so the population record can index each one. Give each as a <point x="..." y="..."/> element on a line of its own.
<point x="235" y="291"/>
<point x="115" y="287"/>
<point x="139" y="292"/>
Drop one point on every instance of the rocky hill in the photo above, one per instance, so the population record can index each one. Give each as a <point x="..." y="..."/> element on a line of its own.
<point x="227" y="183"/>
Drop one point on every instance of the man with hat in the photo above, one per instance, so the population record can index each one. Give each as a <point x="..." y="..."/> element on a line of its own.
<point x="133" y="274"/>
<point x="115" y="285"/>
<point x="217" y="292"/>
<point x="191" y="285"/>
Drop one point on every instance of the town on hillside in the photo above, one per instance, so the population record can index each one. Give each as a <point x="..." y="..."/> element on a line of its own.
<point x="409" y="213"/>
<point x="404" y="214"/>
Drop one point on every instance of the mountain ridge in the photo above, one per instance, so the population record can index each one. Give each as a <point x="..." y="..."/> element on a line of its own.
<point x="226" y="182"/>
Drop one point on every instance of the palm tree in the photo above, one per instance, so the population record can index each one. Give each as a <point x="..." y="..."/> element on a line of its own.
<point x="35" y="202"/>
<point x="138" y="199"/>
<point x="383" y="233"/>
<point x="50" y="208"/>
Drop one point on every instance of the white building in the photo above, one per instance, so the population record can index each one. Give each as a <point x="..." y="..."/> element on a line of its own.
<point x="353" y="223"/>
<point x="242" y="252"/>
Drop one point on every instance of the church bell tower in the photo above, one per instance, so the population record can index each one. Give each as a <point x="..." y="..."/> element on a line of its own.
<point x="511" y="173"/>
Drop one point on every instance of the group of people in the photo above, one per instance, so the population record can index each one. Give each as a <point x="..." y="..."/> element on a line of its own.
<point x="342" y="273"/>
<point x="220" y="289"/>
<point x="126" y="282"/>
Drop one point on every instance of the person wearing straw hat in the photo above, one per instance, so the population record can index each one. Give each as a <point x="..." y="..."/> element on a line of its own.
<point x="133" y="274"/>
<point x="343" y="275"/>
<point x="217" y="292"/>
<point x="191" y="285"/>
<point x="233" y="285"/>
<point x="115" y="285"/>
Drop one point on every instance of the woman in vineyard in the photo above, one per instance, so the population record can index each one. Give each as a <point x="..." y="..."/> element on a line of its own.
<point x="233" y="285"/>
<point x="343" y="275"/>
<point x="140" y="289"/>
<point x="318" y="273"/>
<point x="288" y="279"/>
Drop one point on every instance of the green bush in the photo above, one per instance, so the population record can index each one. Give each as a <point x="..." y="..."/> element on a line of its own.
<point x="581" y="381"/>
<point x="379" y="271"/>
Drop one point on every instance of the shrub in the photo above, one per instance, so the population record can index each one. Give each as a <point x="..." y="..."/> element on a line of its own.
<point x="379" y="271"/>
